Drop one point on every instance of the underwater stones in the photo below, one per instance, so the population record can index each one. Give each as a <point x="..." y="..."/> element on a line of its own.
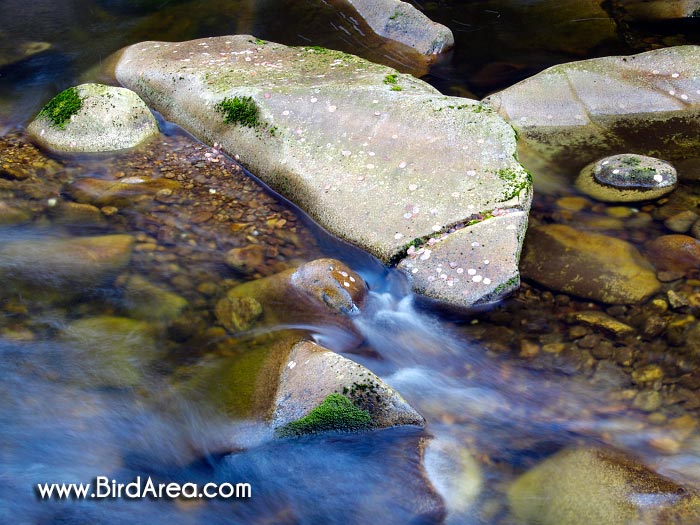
<point x="122" y="193"/>
<point x="380" y="159"/>
<point x="584" y="486"/>
<point x="608" y="105"/>
<point x="590" y="265"/>
<point x="69" y="266"/>
<point x="237" y="314"/>
<point x="246" y="260"/>
<point x="12" y="52"/>
<point x="10" y="215"/>
<point x="455" y="474"/>
<point x="312" y="373"/>
<point x="627" y="178"/>
<point x="674" y="253"/>
<point x="93" y="118"/>
<point x="400" y="21"/>
<point x="111" y="351"/>
<point x="145" y="300"/>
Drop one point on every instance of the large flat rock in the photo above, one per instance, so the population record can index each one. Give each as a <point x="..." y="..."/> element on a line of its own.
<point x="378" y="158"/>
<point x="645" y="102"/>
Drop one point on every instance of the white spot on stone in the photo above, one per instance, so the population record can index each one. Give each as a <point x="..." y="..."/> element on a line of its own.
<point x="455" y="194"/>
<point x="477" y="278"/>
<point x="407" y="215"/>
<point x="314" y="100"/>
<point x="615" y="172"/>
<point x="475" y="244"/>
<point x="398" y="236"/>
<point x="332" y="109"/>
<point x="394" y="137"/>
<point x="415" y="270"/>
<point x="460" y="270"/>
<point x="684" y="97"/>
<point x="671" y="92"/>
<point x="436" y="227"/>
<point x="471" y="173"/>
<point x="370" y="166"/>
<point x="487" y="280"/>
<point x="658" y="177"/>
<point x="212" y="190"/>
<point x="292" y="364"/>
<point x="377" y="113"/>
<point x="285" y="112"/>
<point x="402" y="165"/>
<point x="352" y="279"/>
<point x="413" y="187"/>
<point x="471" y="271"/>
<point x="51" y="203"/>
<point x="426" y="255"/>
<point x="346" y="284"/>
<point x="345" y="153"/>
<point x="675" y="75"/>
<point x="486" y="261"/>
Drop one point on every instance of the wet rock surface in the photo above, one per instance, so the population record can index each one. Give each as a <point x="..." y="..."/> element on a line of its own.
<point x="610" y="104"/>
<point x="378" y="130"/>
<point x="312" y="373"/>
<point x="400" y="21"/>
<point x="93" y="118"/>
<point x="627" y="178"/>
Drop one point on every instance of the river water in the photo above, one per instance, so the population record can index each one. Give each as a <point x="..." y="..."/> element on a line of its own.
<point x="482" y="393"/>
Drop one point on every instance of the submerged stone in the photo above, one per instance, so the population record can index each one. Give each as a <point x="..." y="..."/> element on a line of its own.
<point x="122" y="192"/>
<point x="380" y="159"/>
<point x="627" y="178"/>
<point x="674" y="253"/>
<point x="589" y="265"/>
<point x="110" y="351"/>
<point x="67" y="266"/>
<point x="659" y="9"/>
<point x="325" y="290"/>
<point x="400" y="21"/>
<point x="585" y="486"/>
<point x="145" y="300"/>
<point x="93" y="118"/>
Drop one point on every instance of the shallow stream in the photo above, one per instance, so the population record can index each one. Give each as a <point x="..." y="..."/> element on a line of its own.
<point x="505" y="386"/>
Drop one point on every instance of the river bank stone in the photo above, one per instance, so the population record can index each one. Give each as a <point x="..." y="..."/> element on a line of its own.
<point x="627" y="178"/>
<point x="93" y="118"/>
<point x="64" y="266"/>
<point x="400" y="21"/>
<point x="313" y="373"/>
<point x="645" y="102"/>
<point x="584" y="486"/>
<point x="659" y="9"/>
<point x="590" y="265"/>
<point x="380" y="159"/>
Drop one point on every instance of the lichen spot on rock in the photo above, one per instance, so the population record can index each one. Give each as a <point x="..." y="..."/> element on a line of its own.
<point x="335" y="413"/>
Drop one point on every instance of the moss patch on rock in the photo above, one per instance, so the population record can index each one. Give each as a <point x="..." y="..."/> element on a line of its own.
<point x="62" y="107"/>
<point x="239" y="110"/>
<point x="336" y="412"/>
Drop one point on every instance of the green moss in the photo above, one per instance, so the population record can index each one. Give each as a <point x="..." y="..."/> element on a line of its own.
<point x="506" y="285"/>
<point x="336" y="412"/>
<point x="396" y="88"/>
<point x="239" y="110"/>
<point x="62" y="107"/>
<point x="391" y="79"/>
<point x="515" y="182"/>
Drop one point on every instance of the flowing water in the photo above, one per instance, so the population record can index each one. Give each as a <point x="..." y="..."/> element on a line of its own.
<point x="482" y="392"/>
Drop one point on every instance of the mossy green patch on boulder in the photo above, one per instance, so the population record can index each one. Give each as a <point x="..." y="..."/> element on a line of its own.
<point x="239" y="110"/>
<point x="62" y="107"/>
<point x="93" y="118"/>
<point x="336" y="412"/>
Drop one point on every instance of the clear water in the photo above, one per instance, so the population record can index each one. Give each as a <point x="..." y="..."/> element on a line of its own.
<point x="507" y="412"/>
